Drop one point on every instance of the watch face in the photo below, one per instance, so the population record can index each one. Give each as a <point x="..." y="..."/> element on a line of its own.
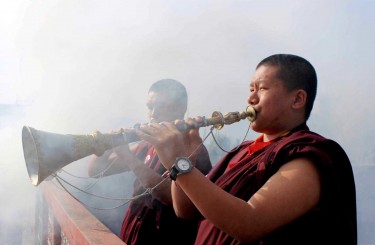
<point x="183" y="164"/>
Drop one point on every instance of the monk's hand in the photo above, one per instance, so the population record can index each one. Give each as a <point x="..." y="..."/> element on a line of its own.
<point x="126" y="157"/>
<point x="168" y="141"/>
<point x="193" y="141"/>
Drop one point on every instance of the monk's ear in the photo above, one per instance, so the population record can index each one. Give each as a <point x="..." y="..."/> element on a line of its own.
<point x="300" y="97"/>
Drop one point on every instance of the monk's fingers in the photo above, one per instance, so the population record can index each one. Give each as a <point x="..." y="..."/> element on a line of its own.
<point x="146" y="134"/>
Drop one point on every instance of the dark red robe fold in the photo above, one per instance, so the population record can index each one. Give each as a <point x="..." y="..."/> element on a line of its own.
<point x="333" y="221"/>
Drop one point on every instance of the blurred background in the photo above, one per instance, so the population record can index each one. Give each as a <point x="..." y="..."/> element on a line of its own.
<point x="72" y="67"/>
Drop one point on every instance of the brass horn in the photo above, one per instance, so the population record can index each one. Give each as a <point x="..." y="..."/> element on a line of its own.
<point x="45" y="152"/>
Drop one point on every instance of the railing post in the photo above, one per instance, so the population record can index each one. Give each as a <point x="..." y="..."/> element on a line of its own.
<point x="54" y="229"/>
<point x="41" y="219"/>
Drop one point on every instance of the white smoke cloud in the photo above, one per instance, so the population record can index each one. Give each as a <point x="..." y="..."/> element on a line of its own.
<point x="86" y="65"/>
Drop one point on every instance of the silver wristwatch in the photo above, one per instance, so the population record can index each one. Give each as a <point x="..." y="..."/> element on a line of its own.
<point x="182" y="165"/>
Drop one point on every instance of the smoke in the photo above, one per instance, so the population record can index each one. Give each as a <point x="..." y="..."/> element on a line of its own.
<point x="79" y="66"/>
<point x="16" y="193"/>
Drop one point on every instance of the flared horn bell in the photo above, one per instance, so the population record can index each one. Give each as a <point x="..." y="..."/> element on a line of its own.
<point x="45" y="152"/>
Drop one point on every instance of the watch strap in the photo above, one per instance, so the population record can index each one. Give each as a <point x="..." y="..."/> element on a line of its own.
<point x="173" y="173"/>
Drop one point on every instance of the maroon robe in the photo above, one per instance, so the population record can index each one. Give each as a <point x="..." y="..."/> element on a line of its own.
<point x="148" y="221"/>
<point x="333" y="221"/>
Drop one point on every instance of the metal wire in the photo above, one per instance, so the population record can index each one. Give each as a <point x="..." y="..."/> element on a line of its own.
<point x="148" y="191"/>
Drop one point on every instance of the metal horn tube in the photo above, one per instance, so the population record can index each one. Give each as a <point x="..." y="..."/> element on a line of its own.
<point x="218" y="120"/>
<point x="45" y="152"/>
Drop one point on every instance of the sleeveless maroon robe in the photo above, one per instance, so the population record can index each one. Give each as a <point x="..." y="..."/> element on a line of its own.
<point x="333" y="221"/>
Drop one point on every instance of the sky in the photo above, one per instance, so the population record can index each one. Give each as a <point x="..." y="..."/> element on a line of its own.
<point x="78" y="66"/>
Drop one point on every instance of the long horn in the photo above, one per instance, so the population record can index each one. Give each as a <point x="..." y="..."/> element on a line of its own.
<point x="45" y="152"/>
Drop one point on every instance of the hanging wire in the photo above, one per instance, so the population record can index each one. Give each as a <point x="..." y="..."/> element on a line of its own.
<point x="147" y="192"/>
<point x="221" y="148"/>
<point x="86" y="192"/>
<point x="204" y="139"/>
<point x="85" y="204"/>
<point x="97" y="177"/>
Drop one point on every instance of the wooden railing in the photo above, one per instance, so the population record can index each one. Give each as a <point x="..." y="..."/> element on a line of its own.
<point x="60" y="219"/>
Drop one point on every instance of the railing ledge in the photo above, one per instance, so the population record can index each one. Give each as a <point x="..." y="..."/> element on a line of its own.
<point x="76" y="223"/>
